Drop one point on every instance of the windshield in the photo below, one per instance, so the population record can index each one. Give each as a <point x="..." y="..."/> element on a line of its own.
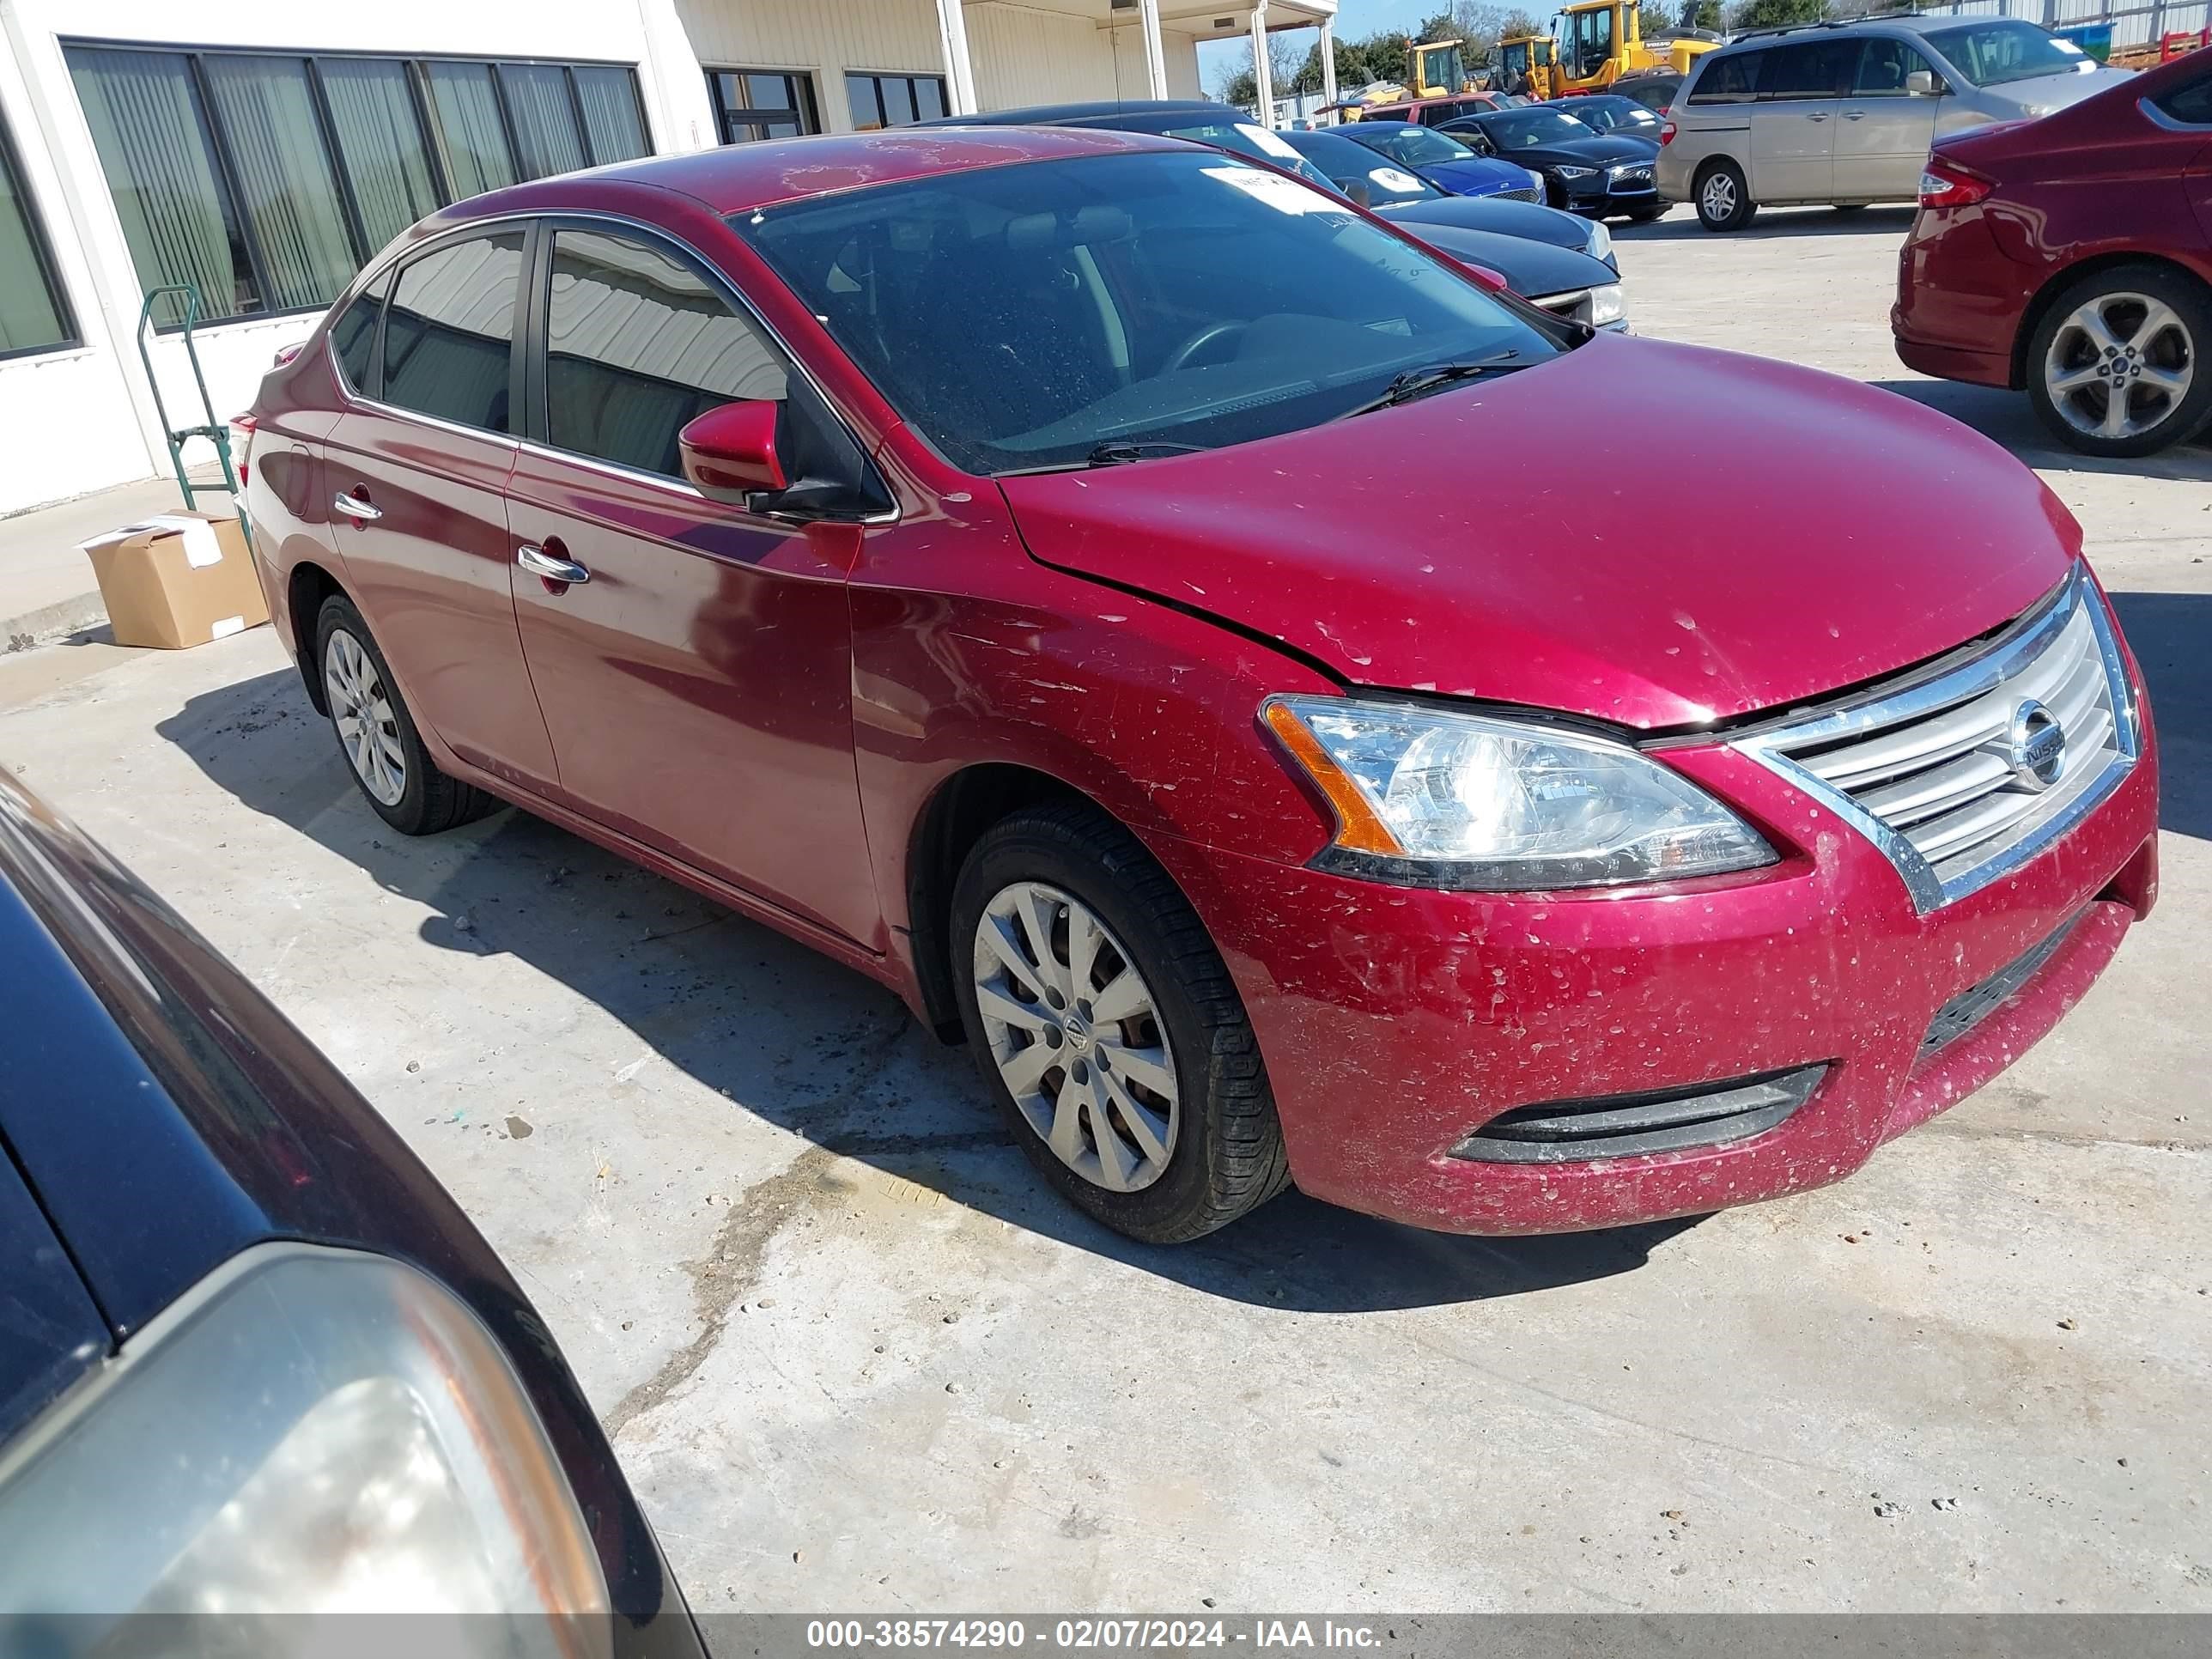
<point x="1526" y="129"/>
<point x="1245" y="139"/>
<point x="1614" y="112"/>
<point x="1345" y="163"/>
<point x="1990" y="54"/>
<point x="1410" y="146"/>
<point x="1022" y="316"/>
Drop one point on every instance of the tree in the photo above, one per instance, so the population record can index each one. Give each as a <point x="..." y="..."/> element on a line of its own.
<point x="1706" y="14"/>
<point x="1778" y="14"/>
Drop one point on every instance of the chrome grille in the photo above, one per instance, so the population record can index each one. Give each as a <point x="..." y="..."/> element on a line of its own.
<point x="1526" y="193"/>
<point x="1950" y="770"/>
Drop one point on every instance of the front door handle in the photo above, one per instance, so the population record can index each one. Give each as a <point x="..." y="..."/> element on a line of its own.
<point x="538" y="562"/>
<point x="1855" y="115"/>
<point x="1816" y="116"/>
<point x="354" y="508"/>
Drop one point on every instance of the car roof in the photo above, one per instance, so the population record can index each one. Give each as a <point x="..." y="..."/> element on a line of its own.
<point x="737" y="177"/>
<point x="1907" y="23"/>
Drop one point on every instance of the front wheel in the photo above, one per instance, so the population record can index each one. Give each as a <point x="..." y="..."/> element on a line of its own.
<point x="2116" y="367"/>
<point x="1107" y="1030"/>
<point x="1723" y="198"/>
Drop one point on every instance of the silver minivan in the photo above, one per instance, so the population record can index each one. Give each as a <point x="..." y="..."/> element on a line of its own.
<point x="1844" y="113"/>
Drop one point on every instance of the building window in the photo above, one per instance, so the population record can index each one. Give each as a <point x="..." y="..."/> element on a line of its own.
<point x="893" y="100"/>
<point x="265" y="179"/>
<point x="34" y="316"/>
<point x="751" y="104"/>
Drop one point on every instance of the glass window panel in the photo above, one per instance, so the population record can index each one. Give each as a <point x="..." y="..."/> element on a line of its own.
<point x="380" y="143"/>
<point x="471" y="140"/>
<point x="449" y="331"/>
<point x="544" y="120"/>
<point x="781" y="129"/>
<point x="898" y="100"/>
<point x="769" y="92"/>
<point x="31" y="312"/>
<point x="290" y="190"/>
<point x="353" y="335"/>
<point x="867" y="108"/>
<point x="637" y="345"/>
<point x="612" y="121"/>
<point x="177" y="218"/>
<point x="929" y="97"/>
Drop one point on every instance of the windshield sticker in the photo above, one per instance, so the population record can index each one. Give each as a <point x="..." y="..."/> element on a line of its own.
<point x="1391" y="178"/>
<point x="1284" y="195"/>
<point x="1279" y="148"/>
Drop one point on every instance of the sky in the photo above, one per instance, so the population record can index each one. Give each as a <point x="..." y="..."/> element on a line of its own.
<point x="1355" y="21"/>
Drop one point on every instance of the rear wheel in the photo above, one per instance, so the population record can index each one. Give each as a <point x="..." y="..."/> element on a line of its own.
<point x="1723" y="197"/>
<point x="2117" y="366"/>
<point x="1107" y="1030"/>
<point x="377" y="734"/>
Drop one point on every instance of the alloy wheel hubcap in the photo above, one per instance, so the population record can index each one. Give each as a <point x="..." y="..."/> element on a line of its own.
<point x="1077" y="1036"/>
<point x="1719" y="195"/>
<point x="2120" y="365"/>
<point x="368" y="729"/>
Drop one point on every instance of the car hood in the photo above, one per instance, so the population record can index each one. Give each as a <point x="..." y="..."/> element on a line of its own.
<point x="1520" y="219"/>
<point x="1530" y="269"/>
<point x="1603" y="150"/>
<point x="1737" y="534"/>
<point x="1475" y="173"/>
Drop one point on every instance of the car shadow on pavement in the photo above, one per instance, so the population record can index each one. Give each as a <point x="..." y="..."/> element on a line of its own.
<point x="2169" y="633"/>
<point x="2008" y="419"/>
<point x="1773" y="222"/>
<point x="804" y="1043"/>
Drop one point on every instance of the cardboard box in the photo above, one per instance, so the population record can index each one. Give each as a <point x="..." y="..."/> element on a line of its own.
<point x="179" y="579"/>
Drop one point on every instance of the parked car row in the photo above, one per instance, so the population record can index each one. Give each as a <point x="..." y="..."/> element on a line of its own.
<point x="1046" y="555"/>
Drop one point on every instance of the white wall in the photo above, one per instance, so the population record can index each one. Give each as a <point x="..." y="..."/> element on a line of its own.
<point x="81" y="421"/>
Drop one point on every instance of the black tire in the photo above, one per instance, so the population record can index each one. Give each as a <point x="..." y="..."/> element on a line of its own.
<point x="2189" y="343"/>
<point x="1722" y="195"/>
<point x="430" y="801"/>
<point x="1227" y="1156"/>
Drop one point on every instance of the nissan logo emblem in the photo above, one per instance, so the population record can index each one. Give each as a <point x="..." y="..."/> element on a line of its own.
<point x="2035" y="745"/>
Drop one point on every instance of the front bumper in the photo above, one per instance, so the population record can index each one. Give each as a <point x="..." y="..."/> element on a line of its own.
<point x="1604" y="194"/>
<point x="1395" y="1023"/>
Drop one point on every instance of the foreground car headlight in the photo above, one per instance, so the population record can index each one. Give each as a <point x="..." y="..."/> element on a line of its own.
<point x="1434" y="798"/>
<point x="1536" y="179"/>
<point x="309" y="1432"/>
<point x="1608" y="304"/>
<point x="1576" y="173"/>
<point x="1600" y="245"/>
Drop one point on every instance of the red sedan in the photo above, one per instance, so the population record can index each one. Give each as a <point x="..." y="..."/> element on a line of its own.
<point x="2072" y="256"/>
<point x="1037" y="570"/>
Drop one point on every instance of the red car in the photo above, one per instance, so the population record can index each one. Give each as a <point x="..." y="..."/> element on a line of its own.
<point x="2072" y="256"/>
<point x="1036" y="569"/>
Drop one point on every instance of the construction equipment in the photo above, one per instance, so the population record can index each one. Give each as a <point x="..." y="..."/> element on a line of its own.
<point x="1434" y="69"/>
<point x="1601" y="41"/>
<point x="1529" y="58"/>
<point x="215" y="431"/>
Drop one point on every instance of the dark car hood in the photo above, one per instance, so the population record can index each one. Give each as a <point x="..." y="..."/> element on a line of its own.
<point x="1605" y="149"/>
<point x="1522" y="219"/>
<point x="1475" y="173"/>
<point x="1737" y="534"/>
<point x="1530" y="269"/>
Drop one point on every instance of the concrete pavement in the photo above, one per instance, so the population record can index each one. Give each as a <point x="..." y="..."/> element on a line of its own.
<point x="855" y="1357"/>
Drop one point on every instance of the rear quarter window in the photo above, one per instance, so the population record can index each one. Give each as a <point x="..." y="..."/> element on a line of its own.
<point x="1731" y="80"/>
<point x="353" y="336"/>
<point x="2190" y="102"/>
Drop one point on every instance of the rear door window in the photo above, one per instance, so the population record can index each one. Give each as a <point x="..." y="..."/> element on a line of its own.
<point x="1731" y="80"/>
<point x="1813" y="68"/>
<point x="637" y="344"/>
<point x="449" y="333"/>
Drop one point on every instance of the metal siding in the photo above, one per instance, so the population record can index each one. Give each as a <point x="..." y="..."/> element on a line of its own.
<point x="825" y="40"/>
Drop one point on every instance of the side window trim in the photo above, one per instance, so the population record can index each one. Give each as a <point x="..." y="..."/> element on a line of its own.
<point x="397" y="269"/>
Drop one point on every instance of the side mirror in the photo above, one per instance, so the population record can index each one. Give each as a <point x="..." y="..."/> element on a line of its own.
<point x="1357" y="189"/>
<point x="1922" y="83"/>
<point x="729" y="452"/>
<point x="1492" y="281"/>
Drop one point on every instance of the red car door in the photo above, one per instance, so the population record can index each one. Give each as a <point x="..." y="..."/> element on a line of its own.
<point x="418" y="471"/>
<point x="696" y="674"/>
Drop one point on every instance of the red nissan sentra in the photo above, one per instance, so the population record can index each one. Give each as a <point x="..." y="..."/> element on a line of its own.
<point x="1037" y="568"/>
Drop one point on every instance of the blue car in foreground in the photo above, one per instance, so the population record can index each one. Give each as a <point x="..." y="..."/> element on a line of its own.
<point x="1439" y="160"/>
<point x="253" y="1360"/>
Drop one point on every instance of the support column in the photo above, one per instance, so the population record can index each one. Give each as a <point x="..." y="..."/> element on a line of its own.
<point x="1263" y="77"/>
<point x="1156" y="57"/>
<point x="1329" y="64"/>
<point x="959" y="74"/>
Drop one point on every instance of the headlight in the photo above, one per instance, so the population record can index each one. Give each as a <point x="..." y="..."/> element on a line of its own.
<point x="1536" y="179"/>
<point x="1600" y="245"/>
<point x="311" y="1431"/>
<point x="1436" y="799"/>
<point x="1576" y="173"/>
<point x="1607" y="304"/>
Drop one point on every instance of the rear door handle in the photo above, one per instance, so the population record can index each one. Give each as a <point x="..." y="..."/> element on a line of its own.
<point x="1816" y="116"/>
<point x="538" y="562"/>
<point x="1855" y="115"/>
<point x="354" y="508"/>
